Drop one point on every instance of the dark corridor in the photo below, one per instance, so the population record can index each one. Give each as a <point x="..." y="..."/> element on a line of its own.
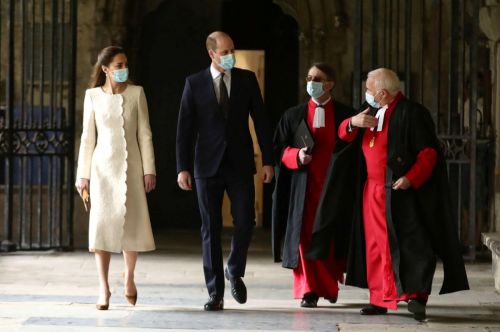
<point x="172" y="46"/>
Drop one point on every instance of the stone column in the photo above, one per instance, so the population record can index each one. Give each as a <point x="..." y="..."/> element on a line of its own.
<point x="495" y="50"/>
<point x="489" y="21"/>
<point x="322" y="35"/>
<point x="301" y="12"/>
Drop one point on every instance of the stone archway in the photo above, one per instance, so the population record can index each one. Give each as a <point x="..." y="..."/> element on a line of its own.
<point x="171" y="46"/>
<point x="323" y="36"/>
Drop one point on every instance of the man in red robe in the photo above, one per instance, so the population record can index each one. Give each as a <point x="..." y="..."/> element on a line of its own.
<point x="405" y="218"/>
<point x="303" y="172"/>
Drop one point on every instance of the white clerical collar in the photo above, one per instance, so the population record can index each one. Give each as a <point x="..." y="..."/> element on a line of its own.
<point x="215" y="73"/>
<point x="380" y="116"/>
<point x="319" y="113"/>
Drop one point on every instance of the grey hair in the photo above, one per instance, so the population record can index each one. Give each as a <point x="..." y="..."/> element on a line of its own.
<point x="385" y="79"/>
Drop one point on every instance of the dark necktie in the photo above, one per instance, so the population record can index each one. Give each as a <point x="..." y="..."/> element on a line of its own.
<point x="223" y="97"/>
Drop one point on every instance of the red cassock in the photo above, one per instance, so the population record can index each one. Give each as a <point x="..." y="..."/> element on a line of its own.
<point x="380" y="274"/>
<point x="318" y="276"/>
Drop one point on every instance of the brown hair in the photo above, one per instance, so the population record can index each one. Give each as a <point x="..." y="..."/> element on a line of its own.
<point x="326" y="69"/>
<point x="104" y="58"/>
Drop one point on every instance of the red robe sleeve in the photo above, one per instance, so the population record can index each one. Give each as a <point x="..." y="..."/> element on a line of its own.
<point x="344" y="133"/>
<point x="422" y="168"/>
<point x="290" y="158"/>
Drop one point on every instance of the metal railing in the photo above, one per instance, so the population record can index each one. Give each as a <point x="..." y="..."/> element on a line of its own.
<point x="37" y="123"/>
<point x="437" y="49"/>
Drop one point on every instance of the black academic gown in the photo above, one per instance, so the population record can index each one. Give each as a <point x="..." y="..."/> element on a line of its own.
<point x="290" y="190"/>
<point x="420" y="222"/>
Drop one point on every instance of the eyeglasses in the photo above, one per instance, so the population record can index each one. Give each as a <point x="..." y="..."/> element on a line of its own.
<point x="310" y="78"/>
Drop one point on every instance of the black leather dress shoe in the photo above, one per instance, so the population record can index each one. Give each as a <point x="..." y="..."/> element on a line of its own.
<point x="417" y="308"/>
<point x="238" y="288"/>
<point x="310" y="300"/>
<point x="214" y="303"/>
<point x="332" y="300"/>
<point x="373" y="310"/>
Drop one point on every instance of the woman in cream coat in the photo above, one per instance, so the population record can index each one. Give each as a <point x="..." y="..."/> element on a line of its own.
<point x="116" y="166"/>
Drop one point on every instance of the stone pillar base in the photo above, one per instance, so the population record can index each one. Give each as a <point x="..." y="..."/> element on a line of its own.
<point x="492" y="241"/>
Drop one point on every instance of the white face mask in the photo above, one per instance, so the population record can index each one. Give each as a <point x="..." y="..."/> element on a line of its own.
<point x="227" y="61"/>
<point x="315" y="89"/>
<point x="371" y="100"/>
<point x="120" y="75"/>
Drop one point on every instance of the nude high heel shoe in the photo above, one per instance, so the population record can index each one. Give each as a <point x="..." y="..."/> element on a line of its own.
<point x="132" y="299"/>
<point x="104" y="306"/>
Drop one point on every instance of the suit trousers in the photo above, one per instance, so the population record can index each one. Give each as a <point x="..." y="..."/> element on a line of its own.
<point x="210" y="192"/>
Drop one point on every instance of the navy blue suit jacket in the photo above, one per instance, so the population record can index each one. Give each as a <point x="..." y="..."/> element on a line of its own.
<point x="201" y="118"/>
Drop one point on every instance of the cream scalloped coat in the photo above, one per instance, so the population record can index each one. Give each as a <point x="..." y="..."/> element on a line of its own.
<point x="116" y="151"/>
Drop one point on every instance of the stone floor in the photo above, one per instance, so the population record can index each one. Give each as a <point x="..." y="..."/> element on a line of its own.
<point x="56" y="291"/>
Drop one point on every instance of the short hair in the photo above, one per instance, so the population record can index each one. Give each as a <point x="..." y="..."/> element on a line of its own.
<point x="385" y="78"/>
<point x="326" y="69"/>
<point x="212" y="38"/>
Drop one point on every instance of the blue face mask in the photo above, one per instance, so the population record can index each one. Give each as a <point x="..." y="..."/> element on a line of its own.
<point x="227" y="61"/>
<point x="315" y="89"/>
<point x="371" y="100"/>
<point x="120" y="75"/>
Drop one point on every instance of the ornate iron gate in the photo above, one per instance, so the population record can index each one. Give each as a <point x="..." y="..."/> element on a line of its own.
<point x="37" y="97"/>
<point x="437" y="49"/>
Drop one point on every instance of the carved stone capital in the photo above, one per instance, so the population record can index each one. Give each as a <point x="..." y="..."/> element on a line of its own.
<point x="304" y="40"/>
<point x="489" y="21"/>
<point x="318" y="35"/>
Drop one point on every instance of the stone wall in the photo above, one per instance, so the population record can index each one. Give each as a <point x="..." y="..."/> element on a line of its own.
<point x="490" y="25"/>
<point x="325" y="33"/>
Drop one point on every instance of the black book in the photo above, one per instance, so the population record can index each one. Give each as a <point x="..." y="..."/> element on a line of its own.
<point x="400" y="162"/>
<point x="303" y="137"/>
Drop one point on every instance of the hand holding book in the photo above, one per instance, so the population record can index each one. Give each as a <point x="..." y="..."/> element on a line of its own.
<point x="86" y="199"/>
<point x="82" y="186"/>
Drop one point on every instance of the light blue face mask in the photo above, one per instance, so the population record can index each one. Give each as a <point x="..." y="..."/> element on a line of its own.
<point x="371" y="100"/>
<point x="315" y="89"/>
<point x="227" y="61"/>
<point x="120" y="75"/>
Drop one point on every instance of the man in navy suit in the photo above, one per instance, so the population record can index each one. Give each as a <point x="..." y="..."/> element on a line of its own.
<point x="215" y="107"/>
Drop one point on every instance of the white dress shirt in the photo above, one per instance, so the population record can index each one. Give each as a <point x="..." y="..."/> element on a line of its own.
<point x="216" y="79"/>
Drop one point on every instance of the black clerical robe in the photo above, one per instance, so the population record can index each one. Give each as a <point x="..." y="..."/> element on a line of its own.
<point x="333" y="219"/>
<point x="427" y="208"/>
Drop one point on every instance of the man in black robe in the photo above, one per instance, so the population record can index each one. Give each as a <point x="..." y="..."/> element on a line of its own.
<point x="403" y="216"/>
<point x="300" y="188"/>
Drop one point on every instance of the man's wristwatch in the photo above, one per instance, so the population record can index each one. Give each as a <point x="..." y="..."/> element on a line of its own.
<point x="350" y="127"/>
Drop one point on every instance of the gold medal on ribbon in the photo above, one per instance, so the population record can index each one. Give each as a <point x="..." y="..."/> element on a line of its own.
<point x="372" y="142"/>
